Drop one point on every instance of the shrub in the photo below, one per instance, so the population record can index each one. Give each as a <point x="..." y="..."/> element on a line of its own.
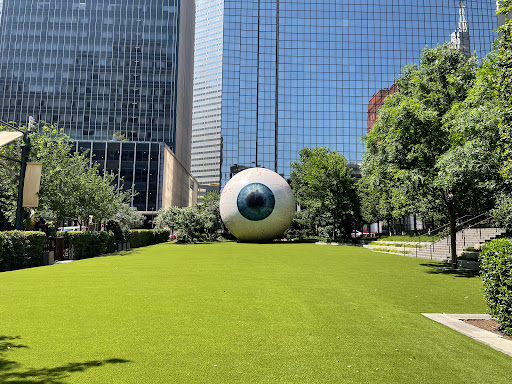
<point x="141" y="238"/>
<point x="89" y="244"/>
<point x="114" y="227"/>
<point x="161" y="235"/>
<point x="496" y="272"/>
<point x="21" y="250"/>
<point x="145" y="237"/>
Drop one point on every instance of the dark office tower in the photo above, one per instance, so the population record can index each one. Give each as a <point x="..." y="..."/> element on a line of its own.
<point x="116" y="75"/>
<point x="300" y="73"/>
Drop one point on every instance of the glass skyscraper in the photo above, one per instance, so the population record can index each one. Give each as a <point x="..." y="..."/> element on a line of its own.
<point x="206" y="120"/>
<point x="105" y="71"/>
<point x="302" y="73"/>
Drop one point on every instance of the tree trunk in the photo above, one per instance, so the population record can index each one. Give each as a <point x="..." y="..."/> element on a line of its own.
<point x="334" y="227"/>
<point x="453" y="234"/>
<point x="415" y="226"/>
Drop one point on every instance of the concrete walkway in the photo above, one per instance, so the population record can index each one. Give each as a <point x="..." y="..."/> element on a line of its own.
<point x="455" y="322"/>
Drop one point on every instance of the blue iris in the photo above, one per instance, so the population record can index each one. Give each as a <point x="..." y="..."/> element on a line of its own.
<point x="255" y="201"/>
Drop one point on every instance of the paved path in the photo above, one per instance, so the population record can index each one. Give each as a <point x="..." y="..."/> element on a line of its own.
<point x="455" y="322"/>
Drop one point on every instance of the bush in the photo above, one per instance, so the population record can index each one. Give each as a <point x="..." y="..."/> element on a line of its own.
<point x="145" y="237"/>
<point x="161" y="235"/>
<point x="496" y="272"/>
<point x="114" y="227"/>
<point x="21" y="250"/>
<point x="89" y="244"/>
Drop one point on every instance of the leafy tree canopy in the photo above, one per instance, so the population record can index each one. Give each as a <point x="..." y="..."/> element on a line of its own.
<point x="70" y="187"/>
<point x="323" y="183"/>
<point x="433" y="149"/>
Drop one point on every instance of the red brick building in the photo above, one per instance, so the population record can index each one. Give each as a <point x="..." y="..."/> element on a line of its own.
<point x="376" y="102"/>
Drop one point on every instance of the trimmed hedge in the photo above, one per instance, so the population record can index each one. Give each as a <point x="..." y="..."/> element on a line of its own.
<point x="20" y="249"/>
<point x="144" y="237"/>
<point x="25" y="249"/>
<point x="496" y="272"/>
<point x="89" y="244"/>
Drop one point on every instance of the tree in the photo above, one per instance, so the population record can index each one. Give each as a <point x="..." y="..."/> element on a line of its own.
<point x="322" y="183"/>
<point x="70" y="187"/>
<point x="201" y="223"/>
<point x="128" y="217"/>
<point x="210" y="215"/>
<point x="435" y="140"/>
<point x="498" y="77"/>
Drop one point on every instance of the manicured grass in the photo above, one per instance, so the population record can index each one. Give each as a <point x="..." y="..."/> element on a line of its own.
<point x="241" y="313"/>
<point x="406" y="238"/>
<point x="401" y="251"/>
<point x="403" y="245"/>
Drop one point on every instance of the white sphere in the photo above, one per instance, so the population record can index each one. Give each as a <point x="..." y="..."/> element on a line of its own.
<point x="257" y="205"/>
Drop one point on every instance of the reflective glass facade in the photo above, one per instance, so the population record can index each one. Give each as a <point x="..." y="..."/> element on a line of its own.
<point x="138" y="165"/>
<point x="97" y="68"/>
<point x="302" y="72"/>
<point x="206" y="120"/>
<point x="114" y="74"/>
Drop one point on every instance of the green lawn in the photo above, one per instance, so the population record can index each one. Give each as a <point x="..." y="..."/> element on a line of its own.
<point x="241" y="313"/>
<point x="405" y="238"/>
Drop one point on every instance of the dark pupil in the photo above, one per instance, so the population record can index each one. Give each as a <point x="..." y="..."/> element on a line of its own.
<point x="256" y="200"/>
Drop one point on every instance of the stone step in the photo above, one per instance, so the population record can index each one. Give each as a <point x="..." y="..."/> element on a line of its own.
<point x="440" y="250"/>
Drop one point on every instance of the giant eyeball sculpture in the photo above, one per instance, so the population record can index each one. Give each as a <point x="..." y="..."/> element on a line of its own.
<point x="257" y="205"/>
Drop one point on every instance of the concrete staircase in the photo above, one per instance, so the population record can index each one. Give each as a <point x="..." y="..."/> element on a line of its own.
<point x="469" y="237"/>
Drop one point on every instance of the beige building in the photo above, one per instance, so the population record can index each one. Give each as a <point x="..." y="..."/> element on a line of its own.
<point x="179" y="188"/>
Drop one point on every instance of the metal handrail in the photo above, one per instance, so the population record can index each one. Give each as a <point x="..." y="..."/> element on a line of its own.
<point x="459" y="227"/>
<point x="434" y="232"/>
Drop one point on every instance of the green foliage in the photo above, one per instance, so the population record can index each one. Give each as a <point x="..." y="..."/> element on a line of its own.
<point x="198" y="223"/>
<point x="128" y="217"/>
<point x="323" y="185"/>
<point x="161" y="235"/>
<point x="86" y="244"/>
<point x="434" y="147"/>
<point x="145" y="237"/>
<point x="498" y="76"/>
<point x="387" y="250"/>
<point x="496" y="272"/>
<point x="141" y="238"/>
<point x="302" y="226"/>
<point x="502" y="213"/>
<point x="114" y="227"/>
<point x="70" y="187"/>
<point x="209" y="216"/>
<point x="21" y="250"/>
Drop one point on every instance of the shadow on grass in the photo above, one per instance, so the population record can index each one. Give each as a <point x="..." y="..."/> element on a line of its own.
<point x="446" y="269"/>
<point x="13" y="372"/>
